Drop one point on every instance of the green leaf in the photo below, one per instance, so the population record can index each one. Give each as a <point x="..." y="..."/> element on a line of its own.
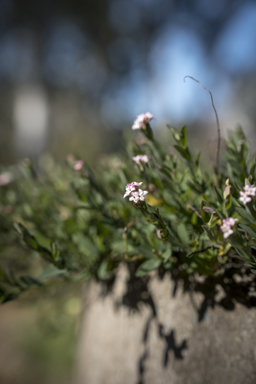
<point x="55" y="252"/>
<point x="152" y="219"/>
<point x="147" y="266"/>
<point x="103" y="272"/>
<point x="244" y="214"/>
<point x="28" y="280"/>
<point x="253" y="167"/>
<point x="228" y="203"/>
<point x="175" y="133"/>
<point x="51" y="273"/>
<point x="184" y="152"/>
<point x="198" y="159"/>
<point x="214" y="222"/>
<point x="182" y="233"/>
<point x="209" y="232"/>
<point x="146" y="251"/>
<point x="31" y="242"/>
<point x="249" y="230"/>
<point x="219" y="194"/>
<point x="205" y="215"/>
<point x="242" y="254"/>
<point x="27" y="237"/>
<point x="184" y="137"/>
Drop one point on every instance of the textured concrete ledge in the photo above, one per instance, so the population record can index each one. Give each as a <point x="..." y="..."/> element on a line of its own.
<point x="145" y="335"/>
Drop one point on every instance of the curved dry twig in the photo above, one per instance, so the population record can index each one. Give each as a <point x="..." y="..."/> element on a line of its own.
<point x="217" y="120"/>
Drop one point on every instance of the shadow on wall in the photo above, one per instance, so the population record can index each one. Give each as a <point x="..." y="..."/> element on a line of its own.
<point x="204" y="292"/>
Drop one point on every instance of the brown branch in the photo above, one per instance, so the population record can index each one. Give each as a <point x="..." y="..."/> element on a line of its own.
<point x="217" y="121"/>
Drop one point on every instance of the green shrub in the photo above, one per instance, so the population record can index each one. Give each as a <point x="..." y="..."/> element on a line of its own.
<point x="69" y="222"/>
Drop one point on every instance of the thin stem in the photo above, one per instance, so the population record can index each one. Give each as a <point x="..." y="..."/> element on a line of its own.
<point x="194" y="210"/>
<point x="217" y="121"/>
<point x="202" y="250"/>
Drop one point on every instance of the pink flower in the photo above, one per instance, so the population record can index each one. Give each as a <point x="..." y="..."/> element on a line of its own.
<point x="5" y="178"/>
<point x="129" y="188"/>
<point x="136" y="184"/>
<point x="138" y="196"/>
<point x="245" y="197"/>
<point x="227" y="224"/>
<point x="229" y="221"/>
<point x="135" y="194"/>
<point x="227" y="231"/>
<point x="78" y="165"/>
<point x="141" y="159"/>
<point x="142" y="120"/>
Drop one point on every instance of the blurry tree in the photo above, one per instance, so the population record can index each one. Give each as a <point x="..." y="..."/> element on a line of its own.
<point x="115" y="34"/>
<point x="94" y="49"/>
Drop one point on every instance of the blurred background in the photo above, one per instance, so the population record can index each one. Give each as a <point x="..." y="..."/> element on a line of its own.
<point x="73" y="75"/>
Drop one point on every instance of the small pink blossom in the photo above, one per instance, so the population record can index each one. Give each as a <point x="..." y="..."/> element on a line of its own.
<point x="129" y="188"/>
<point x="230" y="221"/>
<point x="227" y="225"/>
<point x="227" y="231"/>
<point x="244" y="197"/>
<point x="141" y="159"/>
<point x="142" y="120"/>
<point x="78" y="165"/>
<point x="135" y="194"/>
<point x="136" y="184"/>
<point x="138" y="196"/>
<point x="5" y="178"/>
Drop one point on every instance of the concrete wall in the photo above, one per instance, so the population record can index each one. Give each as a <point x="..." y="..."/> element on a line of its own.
<point x="149" y="331"/>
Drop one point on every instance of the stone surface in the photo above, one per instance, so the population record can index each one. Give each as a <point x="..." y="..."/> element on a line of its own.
<point x="148" y="335"/>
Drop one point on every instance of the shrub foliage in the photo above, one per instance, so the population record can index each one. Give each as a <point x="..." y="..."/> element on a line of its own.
<point x="67" y="222"/>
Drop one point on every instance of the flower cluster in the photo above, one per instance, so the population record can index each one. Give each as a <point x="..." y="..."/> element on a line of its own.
<point x="246" y="196"/>
<point x="134" y="192"/>
<point x="142" y="120"/>
<point x="141" y="159"/>
<point x="227" y="225"/>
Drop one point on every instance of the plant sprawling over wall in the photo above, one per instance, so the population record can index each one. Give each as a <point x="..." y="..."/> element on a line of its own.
<point x="69" y="222"/>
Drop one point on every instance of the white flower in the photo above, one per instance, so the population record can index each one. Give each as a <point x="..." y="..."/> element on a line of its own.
<point x="141" y="159"/>
<point x="136" y="194"/>
<point x="226" y="226"/>
<point x="134" y="197"/>
<point x="142" y="120"/>
<point x="230" y="221"/>
<point x="129" y="188"/>
<point x="244" y="197"/>
<point x="227" y="231"/>
<point x="250" y="189"/>
<point x="141" y="194"/>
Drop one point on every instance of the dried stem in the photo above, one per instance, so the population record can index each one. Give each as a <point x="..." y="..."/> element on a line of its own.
<point x="217" y="121"/>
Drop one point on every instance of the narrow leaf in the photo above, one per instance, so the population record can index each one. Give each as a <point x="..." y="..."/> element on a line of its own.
<point x="147" y="266"/>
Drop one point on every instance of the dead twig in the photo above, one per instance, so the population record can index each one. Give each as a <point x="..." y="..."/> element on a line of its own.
<point x="217" y="121"/>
